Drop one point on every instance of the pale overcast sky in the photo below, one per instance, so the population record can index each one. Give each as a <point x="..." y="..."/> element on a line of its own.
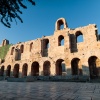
<point x="40" y="20"/>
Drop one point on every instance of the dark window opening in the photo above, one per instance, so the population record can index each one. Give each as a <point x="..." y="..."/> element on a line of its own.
<point x="96" y="33"/>
<point x="16" y="71"/>
<point x="22" y="48"/>
<point x="60" y="25"/>
<point x="8" y="70"/>
<point x="46" y="44"/>
<point x="24" y="70"/>
<point x="2" y="71"/>
<point x="63" y="66"/>
<point x="75" y="66"/>
<point x="79" y="37"/>
<point x="46" y="68"/>
<point x="35" y="69"/>
<point x="2" y="60"/>
<point x="93" y="67"/>
<point x="60" y="40"/>
<point x="60" y="66"/>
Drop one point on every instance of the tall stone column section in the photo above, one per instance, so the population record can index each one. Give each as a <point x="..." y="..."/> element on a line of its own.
<point x="67" y="50"/>
<point x="5" y="42"/>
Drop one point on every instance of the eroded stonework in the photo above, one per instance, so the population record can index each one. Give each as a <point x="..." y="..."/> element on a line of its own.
<point x="49" y="56"/>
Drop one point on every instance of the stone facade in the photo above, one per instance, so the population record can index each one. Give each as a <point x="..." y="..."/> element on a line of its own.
<point x="48" y="56"/>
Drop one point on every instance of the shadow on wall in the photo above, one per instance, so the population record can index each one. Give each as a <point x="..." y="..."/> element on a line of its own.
<point x="44" y="47"/>
<point x="17" y="54"/>
<point x="92" y="71"/>
<point x="74" y="39"/>
<point x="73" y="43"/>
<point x="98" y="37"/>
<point x="6" y="74"/>
<point x="75" y="72"/>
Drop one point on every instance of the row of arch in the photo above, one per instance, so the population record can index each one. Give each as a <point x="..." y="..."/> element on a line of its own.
<point x="93" y="68"/>
<point x="34" y="69"/>
<point x="79" y="37"/>
<point x="21" y="48"/>
<point x="61" y="24"/>
<point x="75" y="67"/>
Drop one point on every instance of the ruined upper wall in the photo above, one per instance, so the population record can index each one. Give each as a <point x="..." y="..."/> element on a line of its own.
<point x="50" y="46"/>
<point x="5" y="42"/>
<point x="59" y="22"/>
<point x="70" y="35"/>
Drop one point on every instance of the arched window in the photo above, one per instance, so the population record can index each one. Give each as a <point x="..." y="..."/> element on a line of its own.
<point x="24" y="70"/>
<point x="8" y="70"/>
<point x="93" y="67"/>
<point x="22" y="48"/>
<point x="76" y="66"/>
<point x="16" y="71"/>
<point x="31" y="46"/>
<point x="35" y="69"/>
<point x="46" y="43"/>
<point x="2" y="71"/>
<point x="46" y="68"/>
<point x="12" y="50"/>
<point x="79" y="37"/>
<point x="60" y="40"/>
<point x="60" y="25"/>
<point x="60" y="66"/>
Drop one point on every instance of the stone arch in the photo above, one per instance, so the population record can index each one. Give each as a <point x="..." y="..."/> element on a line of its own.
<point x="93" y="67"/>
<point x="60" y="40"/>
<point x="12" y="50"/>
<point x="2" y="71"/>
<point x="24" y="70"/>
<point x="16" y="71"/>
<point x="8" y="70"/>
<point x="59" y="22"/>
<point x="31" y="46"/>
<point x="46" y="68"/>
<point x="59" y="66"/>
<point x="76" y="67"/>
<point x="35" y="69"/>
<point x="22" y="48"/>
<point x="79" y="36"/>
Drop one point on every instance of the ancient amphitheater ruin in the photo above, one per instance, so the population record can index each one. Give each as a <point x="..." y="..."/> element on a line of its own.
<point x="48" y="56"/>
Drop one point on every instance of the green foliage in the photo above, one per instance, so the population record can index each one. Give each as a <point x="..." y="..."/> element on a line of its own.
<point x="4" y="50"/>
<point x="10" y="9"/>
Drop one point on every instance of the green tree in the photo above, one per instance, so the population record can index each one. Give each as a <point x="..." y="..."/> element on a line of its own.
<point x="10" y="9"/>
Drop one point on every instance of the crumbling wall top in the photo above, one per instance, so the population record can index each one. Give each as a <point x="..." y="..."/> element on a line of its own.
<point x="59" y="22"/>
<point x="5" y="42"/>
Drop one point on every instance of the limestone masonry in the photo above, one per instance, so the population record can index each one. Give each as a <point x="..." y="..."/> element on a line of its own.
<point x="48" y="56"/>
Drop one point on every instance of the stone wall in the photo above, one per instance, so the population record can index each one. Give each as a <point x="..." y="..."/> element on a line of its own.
<point x="46" y="55"/>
